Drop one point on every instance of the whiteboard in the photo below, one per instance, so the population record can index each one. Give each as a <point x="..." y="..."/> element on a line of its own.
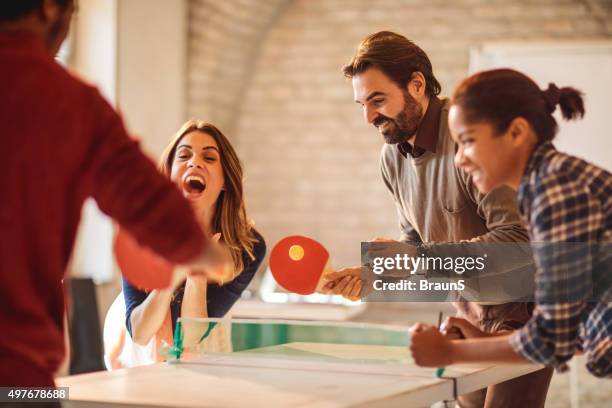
<point x="586" y="66"/>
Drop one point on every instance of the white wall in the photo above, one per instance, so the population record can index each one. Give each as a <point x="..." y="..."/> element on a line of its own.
<point x="585" y="65"/>
<point x="93" y="56"/>
<point x="151" y="69"/>
<point x="95" y="44"/>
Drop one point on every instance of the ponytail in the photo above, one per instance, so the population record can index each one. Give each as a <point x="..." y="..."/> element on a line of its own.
<point x="569" y="99"/>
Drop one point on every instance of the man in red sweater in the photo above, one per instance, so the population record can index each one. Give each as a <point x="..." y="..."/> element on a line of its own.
<point x="61" y="142"/>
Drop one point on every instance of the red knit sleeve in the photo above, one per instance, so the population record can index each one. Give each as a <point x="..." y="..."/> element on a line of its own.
<point x="127" y="186"/>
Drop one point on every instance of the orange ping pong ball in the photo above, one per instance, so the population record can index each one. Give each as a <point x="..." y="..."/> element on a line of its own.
<point x="296" y="253"/>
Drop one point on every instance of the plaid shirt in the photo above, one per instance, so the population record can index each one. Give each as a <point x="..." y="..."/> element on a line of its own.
<point x="567" y="205"/>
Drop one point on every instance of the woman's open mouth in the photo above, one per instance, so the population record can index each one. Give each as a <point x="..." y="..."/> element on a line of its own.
<point x="193" y="185"/>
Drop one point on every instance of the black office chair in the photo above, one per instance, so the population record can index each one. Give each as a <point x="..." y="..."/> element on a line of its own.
<point x="86" y="353"/>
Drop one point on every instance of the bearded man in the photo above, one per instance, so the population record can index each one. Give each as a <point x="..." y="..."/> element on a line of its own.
<point x="437" y="203"/>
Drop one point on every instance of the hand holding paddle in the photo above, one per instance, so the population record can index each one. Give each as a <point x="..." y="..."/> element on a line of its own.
<point x="352" y="283"/>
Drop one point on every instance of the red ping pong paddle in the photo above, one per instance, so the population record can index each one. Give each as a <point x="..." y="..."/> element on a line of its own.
<point x="298" y="264"/>
<point x="141" y="266"/>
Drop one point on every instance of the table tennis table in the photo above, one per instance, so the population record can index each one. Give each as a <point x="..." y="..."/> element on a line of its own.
<point x="290" y="364"/>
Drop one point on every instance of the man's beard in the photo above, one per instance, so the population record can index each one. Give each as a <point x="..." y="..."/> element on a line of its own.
<point x="404" y="125"/>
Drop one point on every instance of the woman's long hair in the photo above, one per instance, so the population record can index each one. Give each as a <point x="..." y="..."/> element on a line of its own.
<point x="230" y="218"/>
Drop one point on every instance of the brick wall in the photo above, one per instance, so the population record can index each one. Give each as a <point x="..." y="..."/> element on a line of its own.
<point x="224" y="41"/>
<point x="268" y="72"/>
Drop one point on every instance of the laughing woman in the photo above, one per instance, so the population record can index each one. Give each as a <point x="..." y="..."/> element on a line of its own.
<point x="504" y="126"/>
<point x="205" y="167"/>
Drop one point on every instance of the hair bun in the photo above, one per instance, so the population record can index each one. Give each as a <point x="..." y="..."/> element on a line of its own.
<point x="552" y="95"/>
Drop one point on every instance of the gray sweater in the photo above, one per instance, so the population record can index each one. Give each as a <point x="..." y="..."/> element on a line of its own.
<point x="438" y="204"/>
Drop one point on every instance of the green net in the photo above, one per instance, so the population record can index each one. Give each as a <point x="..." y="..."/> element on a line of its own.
<point x="289" y="340"/>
